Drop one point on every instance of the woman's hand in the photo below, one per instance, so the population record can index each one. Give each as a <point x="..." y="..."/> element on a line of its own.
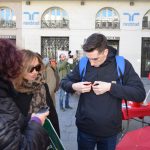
<point x="40" y="116"/>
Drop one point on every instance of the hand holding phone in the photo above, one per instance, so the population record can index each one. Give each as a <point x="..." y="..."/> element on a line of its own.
<point x="101" y="88"/>
<point x="41" y="114"/>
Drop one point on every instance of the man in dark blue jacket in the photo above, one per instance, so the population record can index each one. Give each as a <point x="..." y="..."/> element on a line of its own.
<point x="98" y="116"/>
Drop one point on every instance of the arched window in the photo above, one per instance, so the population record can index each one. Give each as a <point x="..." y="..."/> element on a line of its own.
<point x="55" y="17"/>
<point x="7" y="18"/>
<point x="107" y="18"/>
<point x="146" y="21"/>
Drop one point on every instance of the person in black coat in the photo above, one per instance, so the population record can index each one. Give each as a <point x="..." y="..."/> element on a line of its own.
<point x="15" y="132"/>
<point x="98" y="116"/>
<point x="32" y="91"/>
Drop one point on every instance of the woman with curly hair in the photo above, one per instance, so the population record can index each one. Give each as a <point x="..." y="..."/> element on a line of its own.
<point x="15" y="132"/>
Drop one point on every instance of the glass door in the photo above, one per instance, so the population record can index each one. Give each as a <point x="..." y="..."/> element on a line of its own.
<point x="50" y="46"/>
<point x="115" y="44"/>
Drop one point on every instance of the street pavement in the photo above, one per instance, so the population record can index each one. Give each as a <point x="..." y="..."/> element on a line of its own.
<point x="67" y="125"/>
<point x="68" y="128"/>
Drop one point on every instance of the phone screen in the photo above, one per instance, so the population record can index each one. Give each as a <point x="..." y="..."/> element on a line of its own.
<point x="96" y="84"/>
<point x="43" y="110"/>
<point x="87" y="83"/>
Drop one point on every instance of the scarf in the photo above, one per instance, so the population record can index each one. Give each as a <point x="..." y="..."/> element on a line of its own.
<point x="38" y="90"/>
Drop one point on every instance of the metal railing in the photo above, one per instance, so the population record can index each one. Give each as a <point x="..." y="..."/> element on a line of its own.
<point x="55" y="24"/>
<point x="99" y="24"/>
<point x="7" y="24"/>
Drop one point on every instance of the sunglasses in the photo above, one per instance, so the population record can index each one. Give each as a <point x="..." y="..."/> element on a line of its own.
<point x="37" y="68"/>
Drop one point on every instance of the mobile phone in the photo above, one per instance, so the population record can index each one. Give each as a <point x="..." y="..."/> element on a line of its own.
<point x="43" y="110"/>
<point x="87" y="83"/>
<point x="96" y="84"/>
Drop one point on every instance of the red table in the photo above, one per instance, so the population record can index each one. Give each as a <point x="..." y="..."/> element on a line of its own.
<point x="135" y="140"/>
<point x="133" y="112"/>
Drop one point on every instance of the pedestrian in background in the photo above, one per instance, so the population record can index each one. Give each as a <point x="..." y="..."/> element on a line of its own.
<point x="72" y="61"/>
<point x="99" y="116"/>
<point x="51" y="77"/>
<point x="63" y="69"/>
<point x="33" y="92"/>
<point x="16" y="133"/>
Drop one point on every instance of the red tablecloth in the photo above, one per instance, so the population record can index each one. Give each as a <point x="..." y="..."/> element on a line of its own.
<point x="135" y="140"/>
<point x="133" y="112"/>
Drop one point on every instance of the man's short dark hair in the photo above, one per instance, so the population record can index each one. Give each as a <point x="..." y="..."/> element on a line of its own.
<point x="95" y="41"/>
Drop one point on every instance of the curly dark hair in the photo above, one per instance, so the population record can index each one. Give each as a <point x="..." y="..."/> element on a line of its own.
<point x="10" y="59"/>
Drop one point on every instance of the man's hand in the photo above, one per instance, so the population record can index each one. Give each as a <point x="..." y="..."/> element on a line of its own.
<point x="100" y="87"/>
<point x="82" y="87"/>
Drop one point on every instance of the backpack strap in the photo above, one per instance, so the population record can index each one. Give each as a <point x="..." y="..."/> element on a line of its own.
<point x="120" y="67"/>
<point x="82" y="67"/>
<point x="119" y="61"/>
<point x="120" y="70"/>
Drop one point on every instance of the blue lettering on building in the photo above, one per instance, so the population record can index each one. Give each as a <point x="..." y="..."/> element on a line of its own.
<point x="31" y="18"/>
<point x="131" y="19"/>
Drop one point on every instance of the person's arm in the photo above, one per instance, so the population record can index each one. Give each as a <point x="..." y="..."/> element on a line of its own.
<point x="132" y="88"/>
<point x="69" y="79"/>
<point x="34" y="136"/>
<point x="72" y="82"/>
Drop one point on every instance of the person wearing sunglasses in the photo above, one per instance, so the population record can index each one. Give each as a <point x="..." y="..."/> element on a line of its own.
<point x="16" y="133"/>
<point x="32" y="91"/>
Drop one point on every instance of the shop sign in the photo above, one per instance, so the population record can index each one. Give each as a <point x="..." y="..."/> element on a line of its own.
<point x="31" y="19"/>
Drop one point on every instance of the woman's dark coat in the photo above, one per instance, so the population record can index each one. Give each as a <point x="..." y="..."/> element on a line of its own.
<point x="14" y="133"/>
<point x="23" y="101"/>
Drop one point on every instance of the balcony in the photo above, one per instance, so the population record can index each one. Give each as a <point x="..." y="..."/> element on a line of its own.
<point x="55" y="23"/>
<point x="7" y="24"/>
<point x="101" y="24"/>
